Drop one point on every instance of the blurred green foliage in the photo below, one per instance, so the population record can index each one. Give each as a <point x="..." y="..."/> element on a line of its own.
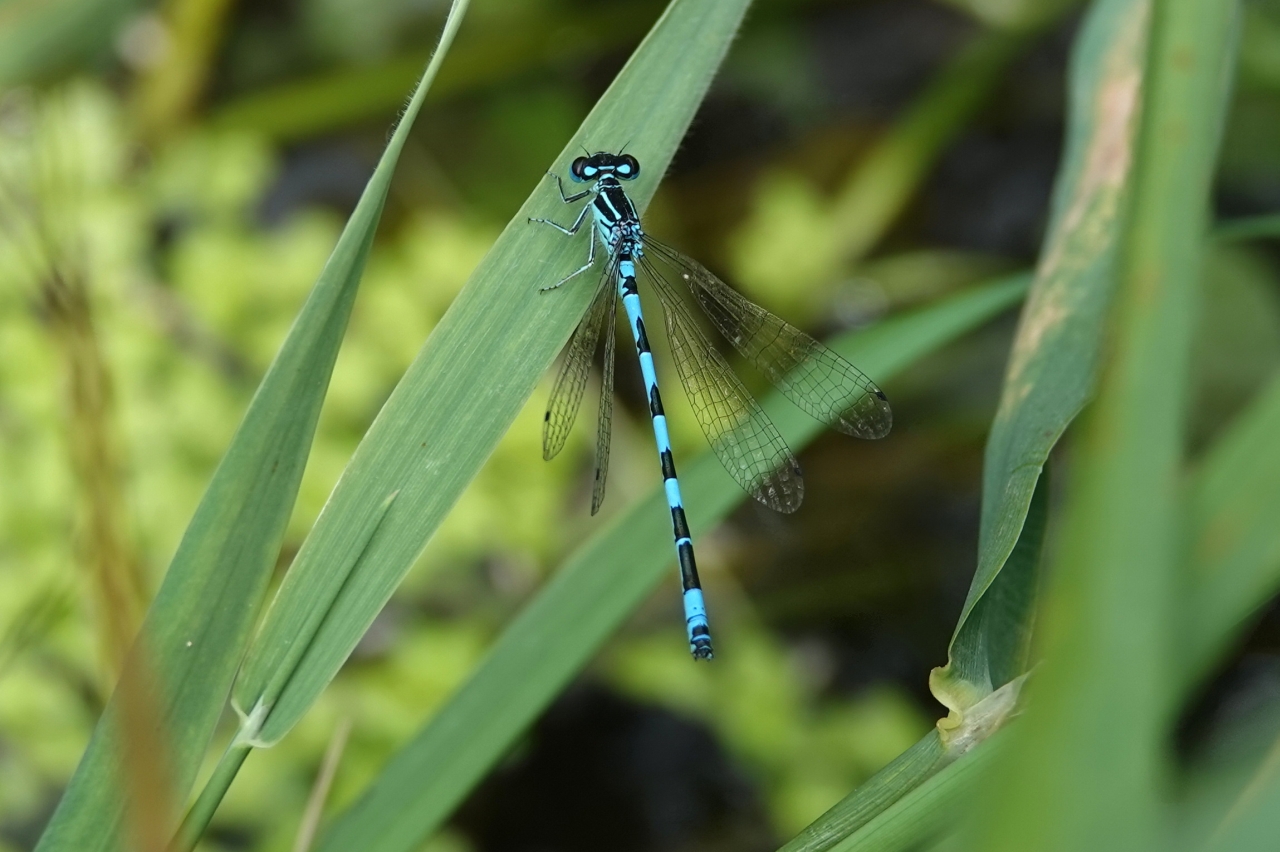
<point x="201" y="216"/>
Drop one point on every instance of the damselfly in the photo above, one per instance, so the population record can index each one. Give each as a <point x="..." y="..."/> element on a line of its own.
<point x="820" y="382"/>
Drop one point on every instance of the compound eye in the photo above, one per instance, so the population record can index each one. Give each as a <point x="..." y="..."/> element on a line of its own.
<point x="577" y="170"/>
<point x="628" y="167"/>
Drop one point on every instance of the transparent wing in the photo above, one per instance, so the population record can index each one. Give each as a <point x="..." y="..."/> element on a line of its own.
<point x="741" y="434"/>
<point x="605" y="420"/>
<point x="818" y="381"/>
<point x="571" y="382"/>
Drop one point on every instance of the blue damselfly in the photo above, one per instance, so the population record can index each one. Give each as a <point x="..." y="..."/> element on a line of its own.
<point x="817" y="380"/>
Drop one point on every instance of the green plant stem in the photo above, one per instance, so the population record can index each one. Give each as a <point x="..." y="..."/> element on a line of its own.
<point x="928" y="809"/>
<point x="167" y="93"/>
<point x="197" y="819"/>
<point x="906" y="773"/>
<point x="884" y="181"/>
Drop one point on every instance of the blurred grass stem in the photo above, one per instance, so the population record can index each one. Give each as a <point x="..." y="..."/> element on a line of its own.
<point x="168" y="91"/>
<point x="320" y="791"/>
<point x="884" y="181"/>
<point x="114" y="569"/>
<point x="115" y="572"/>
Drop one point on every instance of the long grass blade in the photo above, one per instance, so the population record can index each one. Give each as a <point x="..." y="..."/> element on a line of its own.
<point x="1052" y="366"/>
<point x="1086" y="765"/>
<point x="466" y="386"/>
<point x="198" y="626"/>
<point x="873" y="798"/>
<point x="1233" y="504"/>
<point x="928" y="809"/>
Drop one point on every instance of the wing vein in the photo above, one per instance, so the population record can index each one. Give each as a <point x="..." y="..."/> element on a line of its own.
<point x="817" y="380"/>
<point x="604" y="423"/>
<point x="571" y="381"/>
<point x="739" y="432"/>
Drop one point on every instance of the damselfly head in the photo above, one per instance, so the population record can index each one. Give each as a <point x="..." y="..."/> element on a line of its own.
<point x="602" y="163"/>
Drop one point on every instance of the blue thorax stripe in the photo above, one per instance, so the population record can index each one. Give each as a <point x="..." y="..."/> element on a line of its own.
<point x="604" y="205"/>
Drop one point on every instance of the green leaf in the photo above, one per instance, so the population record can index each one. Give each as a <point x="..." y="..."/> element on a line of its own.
<point x="467" y="384"/>
<point x="929" y="809"/>
<point x="590" y="597"/>
<point x="1050" y="376"/>
<point x="1054" y="358"/>
<point x="39" y="37"/>
<point x="865" y="804"/>
<point x="1004" y="617"/>
<point x="198" y="626"/>
<point x="1228" y="798"/>
<point x="1086" y="765"/>
<point x="1251" y="817"/>
<point x="1232" y="509"/>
